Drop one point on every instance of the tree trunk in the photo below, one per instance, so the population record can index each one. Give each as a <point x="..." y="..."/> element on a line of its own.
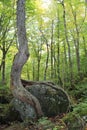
<point x="3" y="66"/>
<point x="33" y="69"/>
<point x="76" y="40"/>
<point x="84" y="46"/>
<point x="47" y="59"/>
<point x="47" y="54"/>
<point x="19" y="60"/>
<point x="51" y="51"/>
<point x="58" y="52"/>
<point x="38" y="64"/>
<point x="68" y="44"/>
<point x="77" y="43"/>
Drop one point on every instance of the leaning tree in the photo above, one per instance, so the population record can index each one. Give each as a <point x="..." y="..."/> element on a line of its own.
<point x="19" y="60"/>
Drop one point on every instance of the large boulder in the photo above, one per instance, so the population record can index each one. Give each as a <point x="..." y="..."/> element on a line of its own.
<point x="53" y="99"/>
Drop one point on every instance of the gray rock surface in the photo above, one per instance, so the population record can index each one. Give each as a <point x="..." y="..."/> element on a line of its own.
<point x="26" y="111"/>
<point x="54" y="101"/>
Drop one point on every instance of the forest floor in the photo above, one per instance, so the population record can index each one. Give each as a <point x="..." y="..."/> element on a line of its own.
<point x="54" y="123"/>
<point x="45" y="123"/>
<point x="18" y="126"/>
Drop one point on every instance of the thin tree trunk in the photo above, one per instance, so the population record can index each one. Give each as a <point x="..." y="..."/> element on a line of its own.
<point x="55" y="62"/>
<point x="58" y="56"/>
<point x="52" y="51"/>
<point x="47" y="59"/>
<point x="85" y="48"/>
<point x="38" y="63"/>
<point x="77" y="46"/>
<point x="4" y="50"/>
<point x="77" y="42"/>
<point x="58" y="52"/>
<point x="33" y="69"/>
<point x="19" y="60"/>
<point x="65" y="63"/>
<point x="68" y="44"/>
<point x="3" y="67"/>
<point x="5" y="46"/>
<point x="47" y="55"/>
<point x="28" y="76"/>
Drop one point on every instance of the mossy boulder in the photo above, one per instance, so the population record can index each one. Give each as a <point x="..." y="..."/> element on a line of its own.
<point x="53" y="99"/>
<point x="26" y="110"/>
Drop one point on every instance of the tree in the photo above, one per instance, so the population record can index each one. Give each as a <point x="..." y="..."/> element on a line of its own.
<point x="6" y="36"/>
<point x="19" y="60"/>
<point x="68" y="44"/>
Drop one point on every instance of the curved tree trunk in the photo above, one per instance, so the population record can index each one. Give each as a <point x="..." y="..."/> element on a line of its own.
<point x="19" y="60"/>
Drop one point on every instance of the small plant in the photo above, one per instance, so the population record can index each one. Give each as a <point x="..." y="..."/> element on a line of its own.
<point x="44" y="121"/>
<point x="81" y="108"/>
<point x="55" y="128"/>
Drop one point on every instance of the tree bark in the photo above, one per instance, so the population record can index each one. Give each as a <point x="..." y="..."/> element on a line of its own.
<point x="47" y="54"/>
<point x="68" y="44"/>
<point x="51" y="51"/>
<point x="47" y="59"/>
<point x="77" y="44"/>
<point x="84" y="46"/>
<point x="19" y="60"/>
<point x="58" y="52"/>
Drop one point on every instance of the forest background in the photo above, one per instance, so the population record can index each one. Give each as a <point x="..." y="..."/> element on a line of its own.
<point x="57" y="39"/>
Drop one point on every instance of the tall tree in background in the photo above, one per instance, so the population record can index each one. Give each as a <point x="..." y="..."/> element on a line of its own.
<point x="77" y="39"/>
<point x="68" y="43"/>
<point x="51" y="50"/>
<point x="19" y="60"/>
<point x="58" y="50"/>
<point x="6" y="36"/>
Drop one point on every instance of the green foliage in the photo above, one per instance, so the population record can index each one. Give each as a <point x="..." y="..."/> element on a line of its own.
<point x="80" y="91"/>
<point x="4" y="89"/>
<point x="44" y="121"/>
<point x="74" y="121"/>
<point x="5" y="2"/>
<point x="76" y="117"/>
<point x="30" y="7"/>
<point x="48" y="125"/>
<point x="4" y="110"/>
<point x="81" y="108"/>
